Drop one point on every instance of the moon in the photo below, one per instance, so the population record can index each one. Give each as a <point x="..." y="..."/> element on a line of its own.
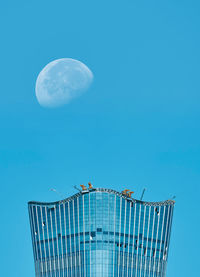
<point x="62" y="80"/>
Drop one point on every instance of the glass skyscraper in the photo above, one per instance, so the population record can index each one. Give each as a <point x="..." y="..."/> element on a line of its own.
<point x="101" y="232"/>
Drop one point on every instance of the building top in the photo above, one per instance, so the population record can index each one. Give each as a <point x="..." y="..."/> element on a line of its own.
<point x="120" y="194"/>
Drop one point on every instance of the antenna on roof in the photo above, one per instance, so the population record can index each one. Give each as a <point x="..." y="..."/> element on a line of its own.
<point x="60" y="194"/>
<point x="142" y="194"/>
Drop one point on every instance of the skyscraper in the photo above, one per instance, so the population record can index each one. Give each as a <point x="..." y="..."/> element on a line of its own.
<point x="101" y="232"/>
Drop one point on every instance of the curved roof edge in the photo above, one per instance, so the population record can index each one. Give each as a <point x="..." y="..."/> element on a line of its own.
<point x="146" y="203"/>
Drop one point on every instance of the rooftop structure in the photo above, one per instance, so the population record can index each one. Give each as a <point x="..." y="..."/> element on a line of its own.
<point x="101" y="232"/>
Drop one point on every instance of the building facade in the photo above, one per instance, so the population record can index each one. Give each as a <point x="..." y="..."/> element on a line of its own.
<point x="100" y="233"/>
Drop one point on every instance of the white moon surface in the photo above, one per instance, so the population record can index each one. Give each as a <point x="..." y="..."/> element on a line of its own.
<point x="62" y="80"/>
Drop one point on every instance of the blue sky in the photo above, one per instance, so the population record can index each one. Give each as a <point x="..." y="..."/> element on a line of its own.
<point x="138" y="125"/>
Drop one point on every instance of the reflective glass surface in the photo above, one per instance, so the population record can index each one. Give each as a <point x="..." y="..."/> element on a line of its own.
<point x="100" y="233"/>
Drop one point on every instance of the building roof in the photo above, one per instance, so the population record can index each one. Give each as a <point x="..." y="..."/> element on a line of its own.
<point x="146" y="203"/>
